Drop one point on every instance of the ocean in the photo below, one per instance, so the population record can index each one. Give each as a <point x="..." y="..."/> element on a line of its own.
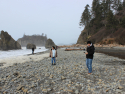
<point x="21" y="52"/>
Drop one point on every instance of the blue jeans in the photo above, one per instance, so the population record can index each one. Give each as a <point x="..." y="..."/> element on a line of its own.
<point x="89" y="64"/>
<point x="53" y="58"/>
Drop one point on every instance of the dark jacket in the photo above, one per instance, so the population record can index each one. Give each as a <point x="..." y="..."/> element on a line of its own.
<point x="32" y="49"/>
<point x="90" y="51"/>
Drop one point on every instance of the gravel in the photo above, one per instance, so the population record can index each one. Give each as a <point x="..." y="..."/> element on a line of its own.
<point x="68" y="76"/>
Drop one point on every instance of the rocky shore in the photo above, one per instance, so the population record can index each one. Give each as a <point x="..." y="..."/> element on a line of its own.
<point x="68" y="76"/>
<point x="96" y="45"/>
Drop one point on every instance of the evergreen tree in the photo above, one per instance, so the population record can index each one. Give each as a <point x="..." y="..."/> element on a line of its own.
<point x="112" y="22"/>
<point x="105" y="8"/>
<point x="109" y="3"/>
<point x="86" y="16"/>
<point x="95" y="5"/>
<point x="98" y="13"/>
<point x="117" y="5"/>
<point x="120" y="7"/>
<point x="123" y="3"/>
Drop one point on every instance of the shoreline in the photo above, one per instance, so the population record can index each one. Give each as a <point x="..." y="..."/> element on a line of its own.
<point x="116" y="51"/>
<point x="10" y="61"/>
<point x="96" y="45"/>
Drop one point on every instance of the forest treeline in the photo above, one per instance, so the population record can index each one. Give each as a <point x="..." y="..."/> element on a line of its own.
<point x="104" y="22"/>
<point x="38" y="40"/>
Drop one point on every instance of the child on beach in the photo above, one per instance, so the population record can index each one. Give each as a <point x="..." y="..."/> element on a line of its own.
<point x="53" y="55"/>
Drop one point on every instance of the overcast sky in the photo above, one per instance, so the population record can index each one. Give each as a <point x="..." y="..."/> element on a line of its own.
<point x="59" y="19"/>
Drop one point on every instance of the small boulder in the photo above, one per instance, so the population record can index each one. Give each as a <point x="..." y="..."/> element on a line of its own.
<point x="30" y="46"/>
<point x="49" y="43"/>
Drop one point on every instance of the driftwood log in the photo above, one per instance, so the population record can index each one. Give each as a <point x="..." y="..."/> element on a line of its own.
<point x="73" y="49"/>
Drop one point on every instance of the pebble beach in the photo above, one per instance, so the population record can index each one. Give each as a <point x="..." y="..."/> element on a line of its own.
<point x="68" y="76"/>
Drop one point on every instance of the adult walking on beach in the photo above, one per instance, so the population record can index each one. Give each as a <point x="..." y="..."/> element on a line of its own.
<point x="33" y="50"/>
<point x="53" y="55"/>
<point x="89" y="56"/>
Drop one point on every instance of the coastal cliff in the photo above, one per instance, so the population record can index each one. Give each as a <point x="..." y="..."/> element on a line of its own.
<point x="103" y="24"/>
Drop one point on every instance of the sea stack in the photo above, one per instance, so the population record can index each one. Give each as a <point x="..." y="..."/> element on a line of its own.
<point x="30" y="46"/>
<point x="7" y="42"/>
<point x="49" y="43"/>
<point x="38" y="40"/>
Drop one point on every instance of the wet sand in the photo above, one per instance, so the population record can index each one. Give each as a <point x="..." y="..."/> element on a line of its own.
<point x="116" y="52"/>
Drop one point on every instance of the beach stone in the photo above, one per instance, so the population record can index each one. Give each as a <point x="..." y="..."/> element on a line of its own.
<point x="30" y="91"/>
<point x="70" y="81"/>
<point x="5" y="92"/>
<point x="44" y="90"/>
<point x="51" y="76"/>
<point x="118" y="90"/>
<point x="25" y="90"/>
<point x="76" y="91"/>
<point x="33" y="85"/>
<point x="123" y="78"/>
<point x="107" y="89"/>
<point x="47" y="74"/>
<point x="63" y="78"/>
<point x="88" y="80"/>
<point x="69" y="85"/>
<point x="120" y="87"/>
<point x="53" y="82"/>
<point x="70" y="90"/>
<point x="100" y="80"/>
<point x="46" y="81"/>
<point x="49" y="89"/>
<point x="19" y="87"/>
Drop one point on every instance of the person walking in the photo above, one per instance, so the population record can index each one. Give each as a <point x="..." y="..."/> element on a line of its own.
<point x="33" y="50"/>
<point x="53" y="55"/>
<point x="89" y="56"/>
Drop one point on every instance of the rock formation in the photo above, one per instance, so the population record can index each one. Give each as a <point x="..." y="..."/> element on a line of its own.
<point x="49" y="43"/>
<point x="82" y="38"/>
<point x="30" y="46"/>
<point x="38" y="40"/>
<point x="7" y="42"/>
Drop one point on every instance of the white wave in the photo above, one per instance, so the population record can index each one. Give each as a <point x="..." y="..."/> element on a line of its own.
<point x="21" y="52"/>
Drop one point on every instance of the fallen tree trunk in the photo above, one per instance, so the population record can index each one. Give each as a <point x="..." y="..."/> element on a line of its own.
<point x="73" y="49"/>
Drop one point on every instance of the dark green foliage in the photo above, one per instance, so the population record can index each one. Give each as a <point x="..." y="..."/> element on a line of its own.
<point x="123" y="22"/>
<point x="112" y="22"/>
<point x="95" y="6"/>
<point x="86" y="17"/>
<point x="120" y="7"/>
<point x="107" y="16"/>
<point x="102" y="10"/>
<point x="123" y="3"/>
